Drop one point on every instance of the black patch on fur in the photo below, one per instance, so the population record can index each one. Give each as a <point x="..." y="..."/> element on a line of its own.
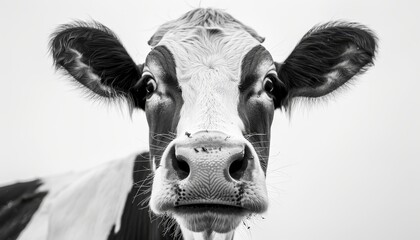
<point x="164" y="116"/>
<point x="165" y="59"/>
<point x="137" y="221"/>
<point x="255" y="113"/>
<point x="249" y="66"/>
<point x="249" y="76"/>
<point x="167" y="62"/>
<point x="101" y="51"/>
<point x="18" y="203"/>
<point x="321" y="51"/>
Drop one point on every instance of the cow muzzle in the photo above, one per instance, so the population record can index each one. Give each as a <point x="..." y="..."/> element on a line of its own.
<point x="209" y="181"/>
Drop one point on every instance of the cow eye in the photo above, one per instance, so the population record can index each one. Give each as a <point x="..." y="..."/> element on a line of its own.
<point x="151" y="86"/>
<point x="268" y="85"/>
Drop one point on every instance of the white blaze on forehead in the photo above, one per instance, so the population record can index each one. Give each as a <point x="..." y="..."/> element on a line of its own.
<point x="208" y="67"/>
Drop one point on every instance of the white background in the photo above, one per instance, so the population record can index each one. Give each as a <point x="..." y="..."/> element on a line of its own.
<point x="346" y="169"/>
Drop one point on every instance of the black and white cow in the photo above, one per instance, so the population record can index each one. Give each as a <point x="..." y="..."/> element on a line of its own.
<point x="209" y="90"/>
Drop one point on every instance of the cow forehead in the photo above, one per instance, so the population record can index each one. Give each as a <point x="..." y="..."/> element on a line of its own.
<point x="202" y="48"/>
<point x="208" y="69"/>
<point x="206" y="39"/>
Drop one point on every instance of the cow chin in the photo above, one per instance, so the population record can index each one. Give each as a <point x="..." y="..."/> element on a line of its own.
<point x="209" y="221"/>
<point x="206" y="216"/>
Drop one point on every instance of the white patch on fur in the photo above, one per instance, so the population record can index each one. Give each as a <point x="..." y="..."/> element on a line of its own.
<point x="331" y="78"/>
<point x="347" y="64"/>
<point x="189" y="235"/>
<point x="352" y="49"/>
<point x="334" y="78"/>
<point x="83" y="206"/>
<point x="343" y="64"/>
<point x="93" y="79"/>
<point x="208" y="69"/>
<point x="37" y="228"/>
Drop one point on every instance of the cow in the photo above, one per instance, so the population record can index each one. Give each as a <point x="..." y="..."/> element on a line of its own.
<point x="209" y="90"/>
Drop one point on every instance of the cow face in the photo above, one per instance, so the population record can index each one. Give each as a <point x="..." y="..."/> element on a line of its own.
<point x="209" y="90"/>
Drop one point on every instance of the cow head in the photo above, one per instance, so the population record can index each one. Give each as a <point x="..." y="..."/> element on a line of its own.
<point x="209" y="90"/>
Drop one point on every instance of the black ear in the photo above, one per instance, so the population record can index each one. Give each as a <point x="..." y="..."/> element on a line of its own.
<point x="326" y="58"/>
<point x="92" y="54"/>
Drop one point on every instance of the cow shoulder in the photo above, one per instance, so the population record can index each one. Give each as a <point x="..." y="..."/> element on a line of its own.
<point x="18" y="203"/>
<point x="137" y="221"/>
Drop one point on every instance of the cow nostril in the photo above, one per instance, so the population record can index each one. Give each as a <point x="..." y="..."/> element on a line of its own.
<point x="237" y="168"/>
<point x="181" y="167"/>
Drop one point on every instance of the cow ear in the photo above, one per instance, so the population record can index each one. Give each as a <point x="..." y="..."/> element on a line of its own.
<point x="326" y="58"/>
<point x="92" y="54"/>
